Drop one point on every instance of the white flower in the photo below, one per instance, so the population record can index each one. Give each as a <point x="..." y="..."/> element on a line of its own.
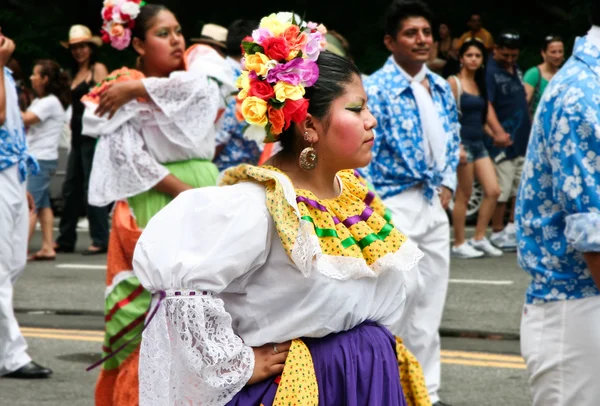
<point x="131" y="9"/>
<point x="529" y="192"/>
<point x="572" y="186"/>
<point x="570" y="148"/>
<point x="550" y="232"/>
<point x="545" y="180"/>
<point x="255" y="133"/>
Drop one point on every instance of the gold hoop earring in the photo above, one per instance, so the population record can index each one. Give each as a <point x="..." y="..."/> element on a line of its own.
<point x="308" y="159"/>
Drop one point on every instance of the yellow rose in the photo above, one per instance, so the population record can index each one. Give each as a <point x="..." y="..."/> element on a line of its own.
<point x="257" y="63"/>
<point x="254" y="110"/>
<point x="284" y="90"/>
<point x="243" y="83"/>
<point x="274" y="24"/>
<point x="292" y="55"/>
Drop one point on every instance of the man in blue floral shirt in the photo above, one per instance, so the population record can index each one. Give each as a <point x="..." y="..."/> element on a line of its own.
<point x="415" y="156"/>
<point x="558" y="233"/>
<point x="14" y="222"/>
<point x="232" y="148"/>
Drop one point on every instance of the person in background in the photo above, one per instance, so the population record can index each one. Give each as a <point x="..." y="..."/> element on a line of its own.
<point x="510" y="124"/>
<point x="443" y="58"/>
<point x="87" y="73"/>
<point x="537" y="78"/>
<point x="16" y="204"/>
<point x="25" y="94"/>
<point x="232" y="148"/>
<point x="415" y="155"/>
<point x="558" y="229"/>
<point x="470" y="91"/>
<point x="215" y="36"/>
<point x="45" y="120"/>
<point x="476" y="31"/>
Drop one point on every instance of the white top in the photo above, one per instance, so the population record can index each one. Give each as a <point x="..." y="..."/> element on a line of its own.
<point x="43" y="138"/>
<point x="177" y="124"/>
<point x="223" y="240"/>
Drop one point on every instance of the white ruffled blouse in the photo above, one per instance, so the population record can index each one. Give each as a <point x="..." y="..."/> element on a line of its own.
<point x="221" y="244"/>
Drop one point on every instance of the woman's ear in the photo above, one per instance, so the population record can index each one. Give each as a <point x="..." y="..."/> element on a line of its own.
<point x="138" y="45"/>
<point x="311" y="129"/>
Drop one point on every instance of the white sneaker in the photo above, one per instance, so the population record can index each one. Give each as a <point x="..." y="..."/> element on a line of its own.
<point x="83" y="224"/>
<point x="466" y="251"/>
<point x="504" y="241"/>
<point x="484" y="245"/>
<point x="511" y="230"/>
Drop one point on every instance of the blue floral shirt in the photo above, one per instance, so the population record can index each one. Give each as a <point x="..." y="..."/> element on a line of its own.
<point x="236" y="149"/>
<point x="558" y="205"/>
<point x="13" y="145"/>
<point x="398" y="153"/>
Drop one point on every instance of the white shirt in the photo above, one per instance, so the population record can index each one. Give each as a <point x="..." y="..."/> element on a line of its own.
<point x="43" y="138"/>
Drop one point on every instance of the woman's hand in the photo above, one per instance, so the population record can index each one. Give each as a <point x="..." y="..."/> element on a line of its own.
<point x="463" y="155"/>
<point x="118" y="94"/>
<point x="269" y="361"/>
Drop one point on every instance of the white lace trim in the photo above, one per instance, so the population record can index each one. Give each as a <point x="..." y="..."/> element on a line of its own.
<point x="307" y="252"/>
<point x="190" y="354"/>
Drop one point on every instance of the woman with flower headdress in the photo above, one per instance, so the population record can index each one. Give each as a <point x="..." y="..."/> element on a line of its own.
<point x="287" y="284"/>
<point x="156" y="138"/>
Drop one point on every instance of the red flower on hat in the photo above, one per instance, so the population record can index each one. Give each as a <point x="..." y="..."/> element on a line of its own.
<point x="108" y="12"/>
<point x="261" y="89"/>
<point x="276" y="48"/>
<point x="105" y="36"/>
<point x="295" y="110"/>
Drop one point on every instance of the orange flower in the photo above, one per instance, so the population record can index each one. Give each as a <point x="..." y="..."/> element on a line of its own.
<point x="117" y="30"/>
<point x="277" y="120"/>
<point x="295" y="39"/>
<point x="238" y="110"/>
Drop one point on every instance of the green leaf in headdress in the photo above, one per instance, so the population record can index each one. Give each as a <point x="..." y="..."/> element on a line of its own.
<point x="251" y="47"/>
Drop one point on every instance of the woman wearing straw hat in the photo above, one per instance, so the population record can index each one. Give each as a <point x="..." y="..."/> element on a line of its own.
<point x="86" y="73"/>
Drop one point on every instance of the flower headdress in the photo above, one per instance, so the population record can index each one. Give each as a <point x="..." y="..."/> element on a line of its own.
<point x="119" y="18"/>
<point x="279" y="64"/>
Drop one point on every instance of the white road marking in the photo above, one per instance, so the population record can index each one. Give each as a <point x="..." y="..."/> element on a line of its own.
<point x="80" y="266"/>
<point x="480" y="282"/>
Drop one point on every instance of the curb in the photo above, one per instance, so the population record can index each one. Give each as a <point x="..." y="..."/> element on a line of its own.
<point x="480" y="334"/>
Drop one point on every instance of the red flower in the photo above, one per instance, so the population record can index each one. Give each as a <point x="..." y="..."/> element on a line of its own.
<point x="105" y="36"/>
<point x="108" y="12"/>
<point x="276" y="48"/>
<point x="131" y="24"/>
<point x="294" y="110"/>
<point x="277" y="120"/>
<point x="261" y="89"/>
<point x="125" y="17"/>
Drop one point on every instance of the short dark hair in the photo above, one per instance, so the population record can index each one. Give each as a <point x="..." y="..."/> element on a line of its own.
<point x="335" y="73"/>
<point x="236" y="32"/>
<point x="475" y="13"/>
<point x="510" y="39"/>
<point x="400" y="10"/>
<point x="594" y="10"/>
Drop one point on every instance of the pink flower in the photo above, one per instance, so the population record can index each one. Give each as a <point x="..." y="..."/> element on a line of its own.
<point x="260" y="34"/>
<point x="297" y="71"/>
<point x="122" y="41"/>
<point x="311" y="26"/>
<point x="313" y="46"/>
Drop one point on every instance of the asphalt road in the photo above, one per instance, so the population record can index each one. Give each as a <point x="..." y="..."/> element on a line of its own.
<point x="60" y="307"/>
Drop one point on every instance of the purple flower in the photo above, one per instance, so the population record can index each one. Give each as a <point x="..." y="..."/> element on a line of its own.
<point x="311" y="26"/>
<point x="260" y="34"/>
<point x="297" y="71"/>
<point x="313" y="45"/>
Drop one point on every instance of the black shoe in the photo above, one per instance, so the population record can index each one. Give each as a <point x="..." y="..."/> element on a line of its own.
<point x="30" y="371"/>
<point x="440" y="403"/>
<point x="98" y="250"/>
<point x="60" y="248"/>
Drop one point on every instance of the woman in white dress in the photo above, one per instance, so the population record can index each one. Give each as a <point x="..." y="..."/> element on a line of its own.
<point x="287" y="285"/>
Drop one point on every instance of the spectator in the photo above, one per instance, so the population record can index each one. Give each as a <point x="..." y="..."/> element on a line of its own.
<point x="24" y="93"/>
<point x="510" y="123"/>
<point x="476" y="31"/>
<point x="558" y="230"/>
<point x="232" y="148"/>
<point x="471" y="94"/>
<point x="538" y="77"/>
<point x="87" y="72"/>
<point x="415" y="155"/>
<point x="444" y="53"/>
<point x="14" y="199"/>
<point x="215" y="36"/>
<point x="45" y="120"/>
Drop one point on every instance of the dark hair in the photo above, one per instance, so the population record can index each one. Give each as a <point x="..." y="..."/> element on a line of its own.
<point x="93" y="57"/>
<point x="549" y="39"/>
<point x="335" y="72"/>
<point x="236" y="32"/>
<point x="475" y="13"/>
<point x="400" y="10"/>
<point x="510" y="39"/>
<point x="480" y="73"/>
<point x="58" y="81"/>
<point x="144" y="20"/>
<point x="594" y="11"/>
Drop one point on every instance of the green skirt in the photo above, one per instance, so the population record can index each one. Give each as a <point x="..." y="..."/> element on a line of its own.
<point x="194" y="172"/>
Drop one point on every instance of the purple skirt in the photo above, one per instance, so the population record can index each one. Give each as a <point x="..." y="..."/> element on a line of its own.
<point x="357" y="367"/>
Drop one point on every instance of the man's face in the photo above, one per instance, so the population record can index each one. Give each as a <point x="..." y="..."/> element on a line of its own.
<point x="412" y="42"/>
<point x="475" y="23"/>
<point x="506" y="57"/>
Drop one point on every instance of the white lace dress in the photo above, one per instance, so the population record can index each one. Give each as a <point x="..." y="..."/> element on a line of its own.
<point x="178" y="123"/>
<point x="230" y="285"/>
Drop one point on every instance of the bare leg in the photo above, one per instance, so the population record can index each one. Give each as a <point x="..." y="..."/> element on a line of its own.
<point x="463" y="193"/>
<point x="33" y="218"/>
<point x="47" y="223"/>
<point x="486" y="175"/>
<point x="498" y="217"/>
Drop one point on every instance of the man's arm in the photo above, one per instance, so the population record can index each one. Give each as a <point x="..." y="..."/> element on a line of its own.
<point x="593" y="262"/>
<point x="7" y="46"/>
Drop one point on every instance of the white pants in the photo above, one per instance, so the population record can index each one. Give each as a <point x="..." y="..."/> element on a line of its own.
<point x="14" y="223"/>
<point x="426" y="223"/>
<point x="560" y="342"/>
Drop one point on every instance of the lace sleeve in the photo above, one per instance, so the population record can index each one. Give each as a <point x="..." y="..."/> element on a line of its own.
<point x="190" y="354"/>
<point x="122" y="167"/>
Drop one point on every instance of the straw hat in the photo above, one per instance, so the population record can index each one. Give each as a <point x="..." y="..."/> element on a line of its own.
<point x="212" y="34"/>
<point x="80" y="33"/>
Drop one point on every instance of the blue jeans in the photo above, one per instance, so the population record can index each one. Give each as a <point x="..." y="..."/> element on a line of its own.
<point x="39" y="185"/>
<point x="475" y="150"/>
